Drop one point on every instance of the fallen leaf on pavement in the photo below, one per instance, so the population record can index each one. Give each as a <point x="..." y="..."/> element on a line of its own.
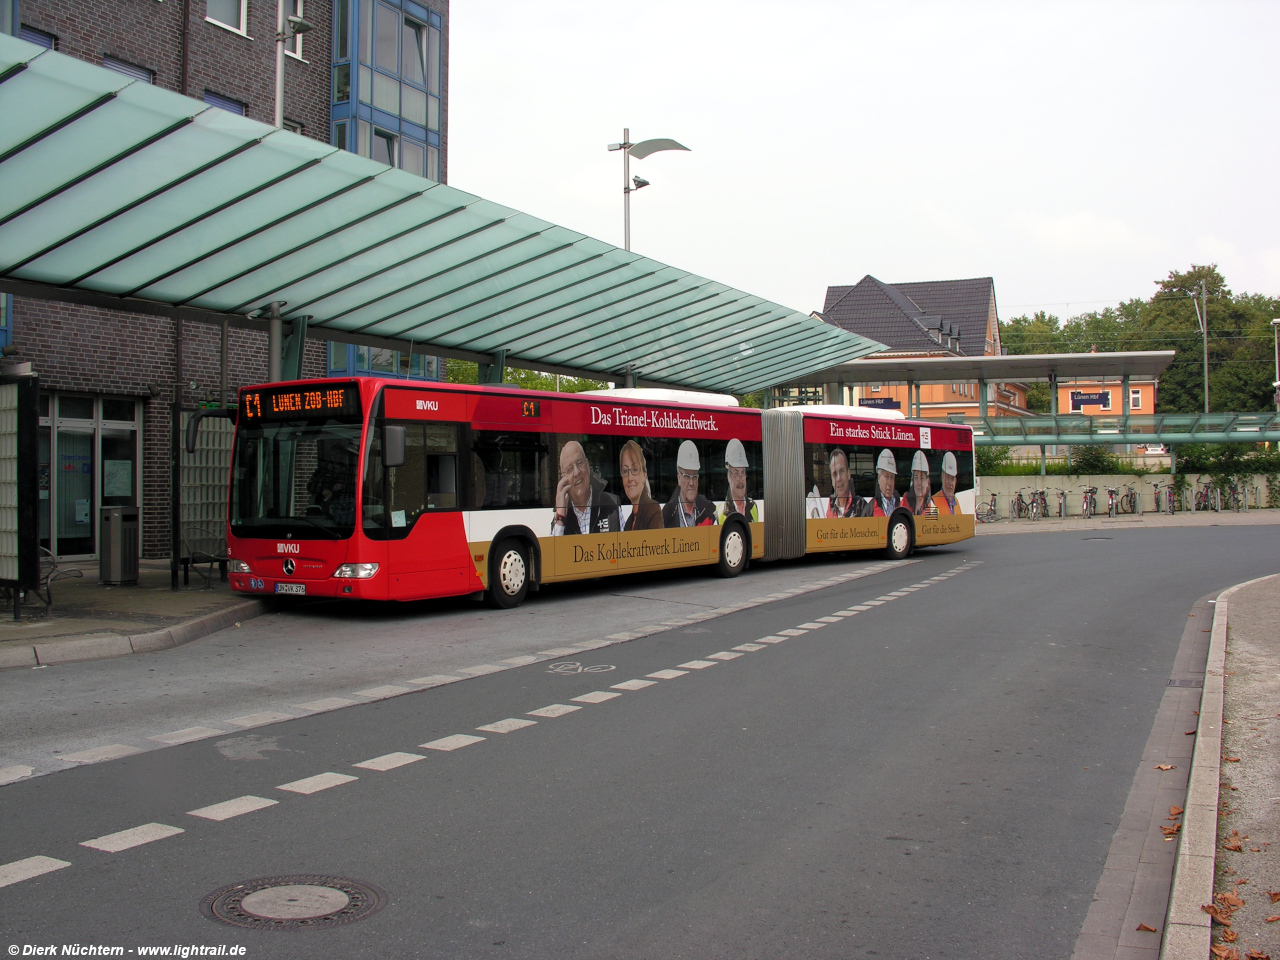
<point x="1274" y="895"/>
<point x="1165" y="766"/>
<point x="1230" y="936"/>
<point x="1242" y="881"/>
<point x="1172" y="831"/>
<point x="1230" y="899"/>
<point x="1273" y="919"/>
<point x="1255" y="849"/>
<point x="1174" y="812"/>
<point x="1233" y="845"/>
<point x="1145" y="928"/>
<point x="1219" y="915"/>
<point x="1190" y="733"/>
<point x="1257" y="955"/>
<point x="1232" y="759"/>
<point x="1224" y="953"/>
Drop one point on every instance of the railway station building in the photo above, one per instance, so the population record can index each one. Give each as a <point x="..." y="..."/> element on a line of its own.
<point x="367" y="76"/>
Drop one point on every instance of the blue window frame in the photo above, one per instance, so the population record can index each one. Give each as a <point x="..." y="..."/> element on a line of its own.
<point x="6" y="322"/>
<point x="357" y="360"/>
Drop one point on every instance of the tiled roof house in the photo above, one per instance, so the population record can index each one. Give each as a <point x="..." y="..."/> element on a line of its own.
<point x="955" y="317"/>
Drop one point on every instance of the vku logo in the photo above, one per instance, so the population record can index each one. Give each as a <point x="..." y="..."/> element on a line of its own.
<point x="288" y="548"/>
<point x="433" y="405"/>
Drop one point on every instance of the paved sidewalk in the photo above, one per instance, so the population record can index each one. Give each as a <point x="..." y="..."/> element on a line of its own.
<point x="90" y="621"/>
<point x="1203" y="518"/>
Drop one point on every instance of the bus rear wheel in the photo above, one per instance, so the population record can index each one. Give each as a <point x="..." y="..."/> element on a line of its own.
<point x="734" y="550"/>
<point x="898" y="542"/>
<point x="508" y="575"/>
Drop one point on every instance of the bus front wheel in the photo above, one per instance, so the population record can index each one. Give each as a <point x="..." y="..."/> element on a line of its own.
<point x="734" y="550"/>
<point x="898" y="544"/>
<point x="508" y="575"/>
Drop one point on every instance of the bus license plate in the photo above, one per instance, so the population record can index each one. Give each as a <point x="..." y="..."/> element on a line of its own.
<point x="299" y="588"/>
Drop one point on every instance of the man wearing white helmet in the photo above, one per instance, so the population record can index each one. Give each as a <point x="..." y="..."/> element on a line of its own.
<point x="945" y="501"/>
<point x="886" y="498"/>
<point x="736" y="500"/>
<point x="687" y="507"/>
<point x="917" y="498"/>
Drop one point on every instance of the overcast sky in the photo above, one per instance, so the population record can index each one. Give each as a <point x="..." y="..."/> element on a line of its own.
<point x="1075" y="152"/>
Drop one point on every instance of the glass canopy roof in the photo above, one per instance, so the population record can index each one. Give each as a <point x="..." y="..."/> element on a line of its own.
<point x="140" y="196"/>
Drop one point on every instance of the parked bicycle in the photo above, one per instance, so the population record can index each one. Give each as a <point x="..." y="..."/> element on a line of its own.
<point x="1155" y="491"/>
<point x="1062" y="502"/>
<point x="1131" y="500"/>
<point x="1208" y="497"/>
<point x="1113" y="501"/>
<point x="1088" y="502"/>
<point x="986" y="512"/>
<point x="1018" y="509"/>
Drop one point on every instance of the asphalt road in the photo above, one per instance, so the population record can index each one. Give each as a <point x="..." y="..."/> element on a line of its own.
<point x="938" y="775"/>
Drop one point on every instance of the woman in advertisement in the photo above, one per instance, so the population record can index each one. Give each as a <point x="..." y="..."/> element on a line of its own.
<point x="646" y="513"/>
<point x="917" y="498"/>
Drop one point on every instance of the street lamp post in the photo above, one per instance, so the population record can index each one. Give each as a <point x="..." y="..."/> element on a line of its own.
<point x="286" y="29"/>
<point x="1202" y="317"/>
<point x="631" y="184"/>
<point x="1275" y="331"/>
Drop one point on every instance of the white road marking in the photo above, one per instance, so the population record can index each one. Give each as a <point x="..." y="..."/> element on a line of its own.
<point x="836" y="619"/>
<point x="884" y="598"/>
<point x="187" y="736"/>
<point x="750" y="647"/>
<point x="811" y="626"/>
<point x="510" y="725"/>
<point x="621" y="636"/>
<point x="110" y="752"/>
<point x="389" y="761"/>
<point x="899" y="593"/>
<point x="456" y="742"/>
<point x="328" y="703"/>
<point x="793" y="632"/>
<point x="860" y="607"/>
<point x="675" y="623"/>
<point x="380" y="693"/>
<point x="559" y="651"/>
<point x="772" y="639"/>
<point x="435" y="680"/>
<point x="696" y="665"/>
<point x="723" y="655"/>
<point x="592" y="645"/>
<point x="136" y="837"/>
<point x="232" y="808"/>
<point x="321" y="781"/>
<point x="520" y="661"/>
<point x="18" y="771"/>
<point x="258" y="719"/>
<point x="871" y="603"/>
<point x="633" y="684"/>
<point x="482" y="669"/>
<point x="667" y="674"/>
<point x="20" y="870"/>
<point x="553" y="711"/>
<point x="595" y="696"/>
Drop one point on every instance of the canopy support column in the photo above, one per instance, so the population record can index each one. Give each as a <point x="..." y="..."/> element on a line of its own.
<point x="982" y="399"/>
<point x="1053" y="406"/>
<point x="175" y="460"/>
<point x="275" y="343"/>
<point x="831" y="392"/>
<point x="222" y="377"/>
<point x="492" y="372"/>
<point x="1042" y="463"/>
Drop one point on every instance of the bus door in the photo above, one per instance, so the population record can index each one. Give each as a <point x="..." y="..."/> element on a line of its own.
<point x="415" y="507"/>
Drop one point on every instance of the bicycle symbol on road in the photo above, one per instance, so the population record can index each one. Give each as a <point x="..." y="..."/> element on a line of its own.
<point x="569" y="667"/>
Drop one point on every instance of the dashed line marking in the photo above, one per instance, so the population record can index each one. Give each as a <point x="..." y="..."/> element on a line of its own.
<point x="899" y="593"/>
<point x="833" y="619"/>
<point x="389" y="761"/>
<point x="869" y="604"/>
<point x="750" y="647"/>
<point x="520" y="661"/>
<point x="553" y="711"/>
<point x="19" y="771"/>
<point x="321" y="781"/>
<point x="328" y="703"/>
<point x="883" y="598"/>
<point x="633" y="684"/>
<point x="20" y="870"/>
<point x="793" y="632"/>
<point x="510" y="725"/>
<point x="482" y="669"/>
<point x="810" y="626"/>
<point x="232" y="808"/>
<point x="559" y="651"/>
<point x="773" y="639"/>
<point x="595" y="696"/>
<point x="188" y="735"/>
<point x="260" y="719"/>
<point x="135" y="837"/>
<point x="435" y="680"/>
<point x="697" y="664"/>
<point x="112" y="751"/>
<point x="723" y="655"/>
<point x="381" y="693"/>
<point x="667" y="674"/>
<point x="456" y="742"/>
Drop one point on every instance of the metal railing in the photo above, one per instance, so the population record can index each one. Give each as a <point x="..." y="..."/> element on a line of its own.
<point x="1167" y="428"/>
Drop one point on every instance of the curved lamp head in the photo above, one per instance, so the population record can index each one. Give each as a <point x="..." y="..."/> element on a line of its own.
<point x="646" y="147"/>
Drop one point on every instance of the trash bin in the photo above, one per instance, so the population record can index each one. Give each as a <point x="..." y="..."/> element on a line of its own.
<point x="118" y="546"/>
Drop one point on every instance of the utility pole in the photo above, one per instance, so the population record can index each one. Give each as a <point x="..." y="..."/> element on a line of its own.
<point x="1202" y="318"/>
<point x="629" y="184"/>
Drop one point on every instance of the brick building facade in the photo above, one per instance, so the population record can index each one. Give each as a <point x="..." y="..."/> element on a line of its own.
<point x="92" y="362"/>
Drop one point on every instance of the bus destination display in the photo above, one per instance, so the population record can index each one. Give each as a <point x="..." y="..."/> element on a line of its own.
<point x="292" y="403"/>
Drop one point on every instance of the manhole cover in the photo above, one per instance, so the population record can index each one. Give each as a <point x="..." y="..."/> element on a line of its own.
<point x="304" y="902"/>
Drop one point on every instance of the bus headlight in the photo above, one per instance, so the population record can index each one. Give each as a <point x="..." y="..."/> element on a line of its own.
<point x="356" y="571"/>
<point x="238" y="566"/>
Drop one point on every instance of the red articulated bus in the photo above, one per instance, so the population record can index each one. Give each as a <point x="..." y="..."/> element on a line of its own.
<point x="394" y="490"/>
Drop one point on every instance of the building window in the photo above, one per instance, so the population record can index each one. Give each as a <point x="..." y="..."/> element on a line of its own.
<point x="875" y="388"/>
<point x="1106" y="399"/>
<point x="293" y="126"/>
<point x="223" y="103"/>
<point x="433" y="164"/>
<point x="384" y="147"/>
<point x="6" y="311"/>
<point x="293" y="46"/>
<point x="342" y="83"/>
<point x="340" y="135"/>
<point x="351" y="360"/>
<point x="341" y="36"/>
<point x="38" y="37"/>
<point x="1135" y="399"/>
<point x="229" y="13"/>
<point x="129" y="69"/>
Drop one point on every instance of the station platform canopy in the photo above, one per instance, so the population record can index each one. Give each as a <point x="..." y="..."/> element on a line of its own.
<point x="118" y="194"/>
<point x="1011" y="368"/>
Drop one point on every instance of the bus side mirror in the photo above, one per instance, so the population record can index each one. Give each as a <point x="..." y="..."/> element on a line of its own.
<point x="193" y="424"/>
<point x="392" y="446"/>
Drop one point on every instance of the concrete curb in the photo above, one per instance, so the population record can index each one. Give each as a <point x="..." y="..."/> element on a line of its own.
<point x="104" y="646"/>
<point x="1187" y="930"/>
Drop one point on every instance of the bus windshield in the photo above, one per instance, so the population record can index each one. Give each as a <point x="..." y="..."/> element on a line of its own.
<point x="296" y="478"/>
